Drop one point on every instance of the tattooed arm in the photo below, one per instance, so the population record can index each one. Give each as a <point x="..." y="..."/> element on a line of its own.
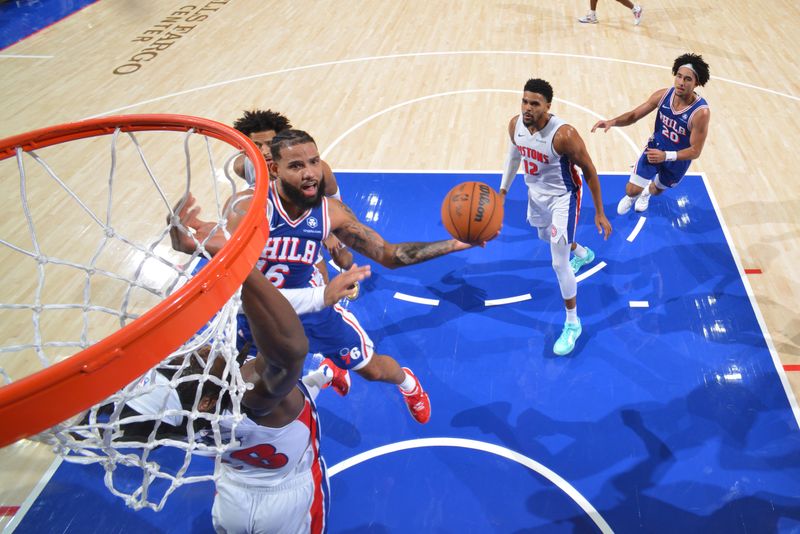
<point x="368" y="242"/>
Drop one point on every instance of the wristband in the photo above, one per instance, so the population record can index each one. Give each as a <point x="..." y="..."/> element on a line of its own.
<point x="671" y="155"/>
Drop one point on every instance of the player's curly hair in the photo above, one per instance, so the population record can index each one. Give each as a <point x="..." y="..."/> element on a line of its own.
<point x="700" y="67"/>
<point x="537" y="85"/>
<point x="286" y="139"/>
<point x="259" y="120"/>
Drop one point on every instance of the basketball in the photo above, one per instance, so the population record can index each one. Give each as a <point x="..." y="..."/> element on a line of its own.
<point x="472" y="213"/>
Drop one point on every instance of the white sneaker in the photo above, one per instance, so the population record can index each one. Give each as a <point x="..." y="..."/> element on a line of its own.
<point x="642" y="201"/>
<point x="590" y="18"/>
<point x="637" y="14"/>
<point x="625" y="205"/>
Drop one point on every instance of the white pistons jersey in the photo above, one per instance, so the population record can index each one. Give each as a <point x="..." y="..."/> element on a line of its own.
<point x="272" y="456"/>
<point x="546" y="172"/>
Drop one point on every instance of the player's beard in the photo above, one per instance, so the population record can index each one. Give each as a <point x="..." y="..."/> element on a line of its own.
<point x="528" y="122"/>
<point x="296" y="196"/>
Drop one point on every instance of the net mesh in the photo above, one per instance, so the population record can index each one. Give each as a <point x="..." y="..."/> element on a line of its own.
<point x="85" y="250"/>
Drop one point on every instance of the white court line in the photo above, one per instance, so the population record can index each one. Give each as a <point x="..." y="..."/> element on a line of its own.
<point x="590" y="272"/>
<point x="637" y="229"/>
<point x="425" y="54"/>
<point x="759" y="317"/>
<point x="377" y="114"/>
<point x="417" y="300"/>
<point x="491" y="448"/>
<point x="638" y="304"/>
<point x="509" y="300"/>
<point x="21" y="56"/>
<point x="32" y="496"/>
<point x="449" y="171"/>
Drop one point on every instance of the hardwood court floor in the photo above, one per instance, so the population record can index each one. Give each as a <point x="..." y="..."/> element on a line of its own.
<point x="431" y="85"/>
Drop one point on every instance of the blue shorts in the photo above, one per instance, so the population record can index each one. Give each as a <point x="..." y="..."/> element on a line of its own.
<point x="670" y="173"/>
<point x="333" y="332"/>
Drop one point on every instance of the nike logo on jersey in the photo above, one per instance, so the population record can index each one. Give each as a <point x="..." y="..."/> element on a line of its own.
<point x="521" y="135"/>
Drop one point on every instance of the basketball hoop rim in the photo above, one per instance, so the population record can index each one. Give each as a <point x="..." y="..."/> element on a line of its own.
<point x="56" y="393"/>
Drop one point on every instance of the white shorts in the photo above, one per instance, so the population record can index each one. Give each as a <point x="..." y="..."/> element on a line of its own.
<point x="282" y="509"/>
<point x="557" y="214"/>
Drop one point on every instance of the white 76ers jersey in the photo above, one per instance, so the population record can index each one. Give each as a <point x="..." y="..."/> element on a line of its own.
<point x="546" y="171"/>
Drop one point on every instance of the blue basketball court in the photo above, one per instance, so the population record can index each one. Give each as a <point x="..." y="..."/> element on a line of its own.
<point x="671" y="415"/>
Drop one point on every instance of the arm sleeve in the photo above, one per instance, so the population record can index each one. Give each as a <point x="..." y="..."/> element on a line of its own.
<point x="512" y="165"/>
<point x="249" y="172"/>
<point x="305" y="299"/>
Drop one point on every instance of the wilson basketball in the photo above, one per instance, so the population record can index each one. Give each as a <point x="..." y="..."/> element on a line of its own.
<point x="472" y="213"/>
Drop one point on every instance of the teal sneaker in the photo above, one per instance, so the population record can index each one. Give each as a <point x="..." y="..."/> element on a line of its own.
<point x="576" y="263"/>
<point x="566" y="341"/>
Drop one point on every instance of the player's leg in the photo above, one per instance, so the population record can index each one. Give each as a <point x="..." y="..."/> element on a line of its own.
<point x="580" y="255"/>
<point x="636" y="9"/>
<point x="562" y="234"/>
<point x="384" y="368"/>
<point x="232" y="508"/>
<point x="328" y="374"/>
<point x="669" y="175"/>
<point x="296" y="505"/>
<point x="591" y="16"/>
<point x="643" y="173"/>
<point x="342" y="339"/>
<point x="337" y="334"/>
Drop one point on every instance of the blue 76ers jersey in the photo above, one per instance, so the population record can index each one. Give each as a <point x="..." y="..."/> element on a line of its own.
<point x="293" y="246"/>
<point x="672" y="126"/>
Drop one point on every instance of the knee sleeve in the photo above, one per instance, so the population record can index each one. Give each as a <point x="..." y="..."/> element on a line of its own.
<point x="566" y="278"/>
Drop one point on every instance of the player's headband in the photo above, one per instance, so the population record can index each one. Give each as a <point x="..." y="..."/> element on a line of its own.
<point x="690" y="67"/>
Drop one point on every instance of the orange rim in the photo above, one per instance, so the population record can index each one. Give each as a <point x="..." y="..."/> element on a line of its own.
<point x="49" y="396"/>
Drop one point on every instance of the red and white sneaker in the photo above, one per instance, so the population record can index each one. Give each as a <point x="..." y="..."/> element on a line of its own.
<point x="417" y="401"/>
<point x="341" y="377"/>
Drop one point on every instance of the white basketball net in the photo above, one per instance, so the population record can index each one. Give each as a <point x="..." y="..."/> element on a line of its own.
<point x="88" y="252"/>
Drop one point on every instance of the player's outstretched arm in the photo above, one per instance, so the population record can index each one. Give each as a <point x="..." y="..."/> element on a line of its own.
<point x="282" y="343"/>
<point x="629" y="117"/>
<point x="187" y="229"/>
<point x="511" y="164"/>
<point x="568" y="142"/>
<point x="368" y="242"/>
<point x="331" y="185"/>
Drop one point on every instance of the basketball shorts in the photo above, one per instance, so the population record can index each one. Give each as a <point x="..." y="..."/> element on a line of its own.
<point x="665" y="174"/>
<point x="555" y="216"/>
<point x="287" y="508"/>
<point x="333" y="332"/>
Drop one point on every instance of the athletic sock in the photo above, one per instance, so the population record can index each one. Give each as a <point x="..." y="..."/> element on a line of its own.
<point x="579" y="251"/>
<point x="572" y="315"/>
<point x="409" y="384"/>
